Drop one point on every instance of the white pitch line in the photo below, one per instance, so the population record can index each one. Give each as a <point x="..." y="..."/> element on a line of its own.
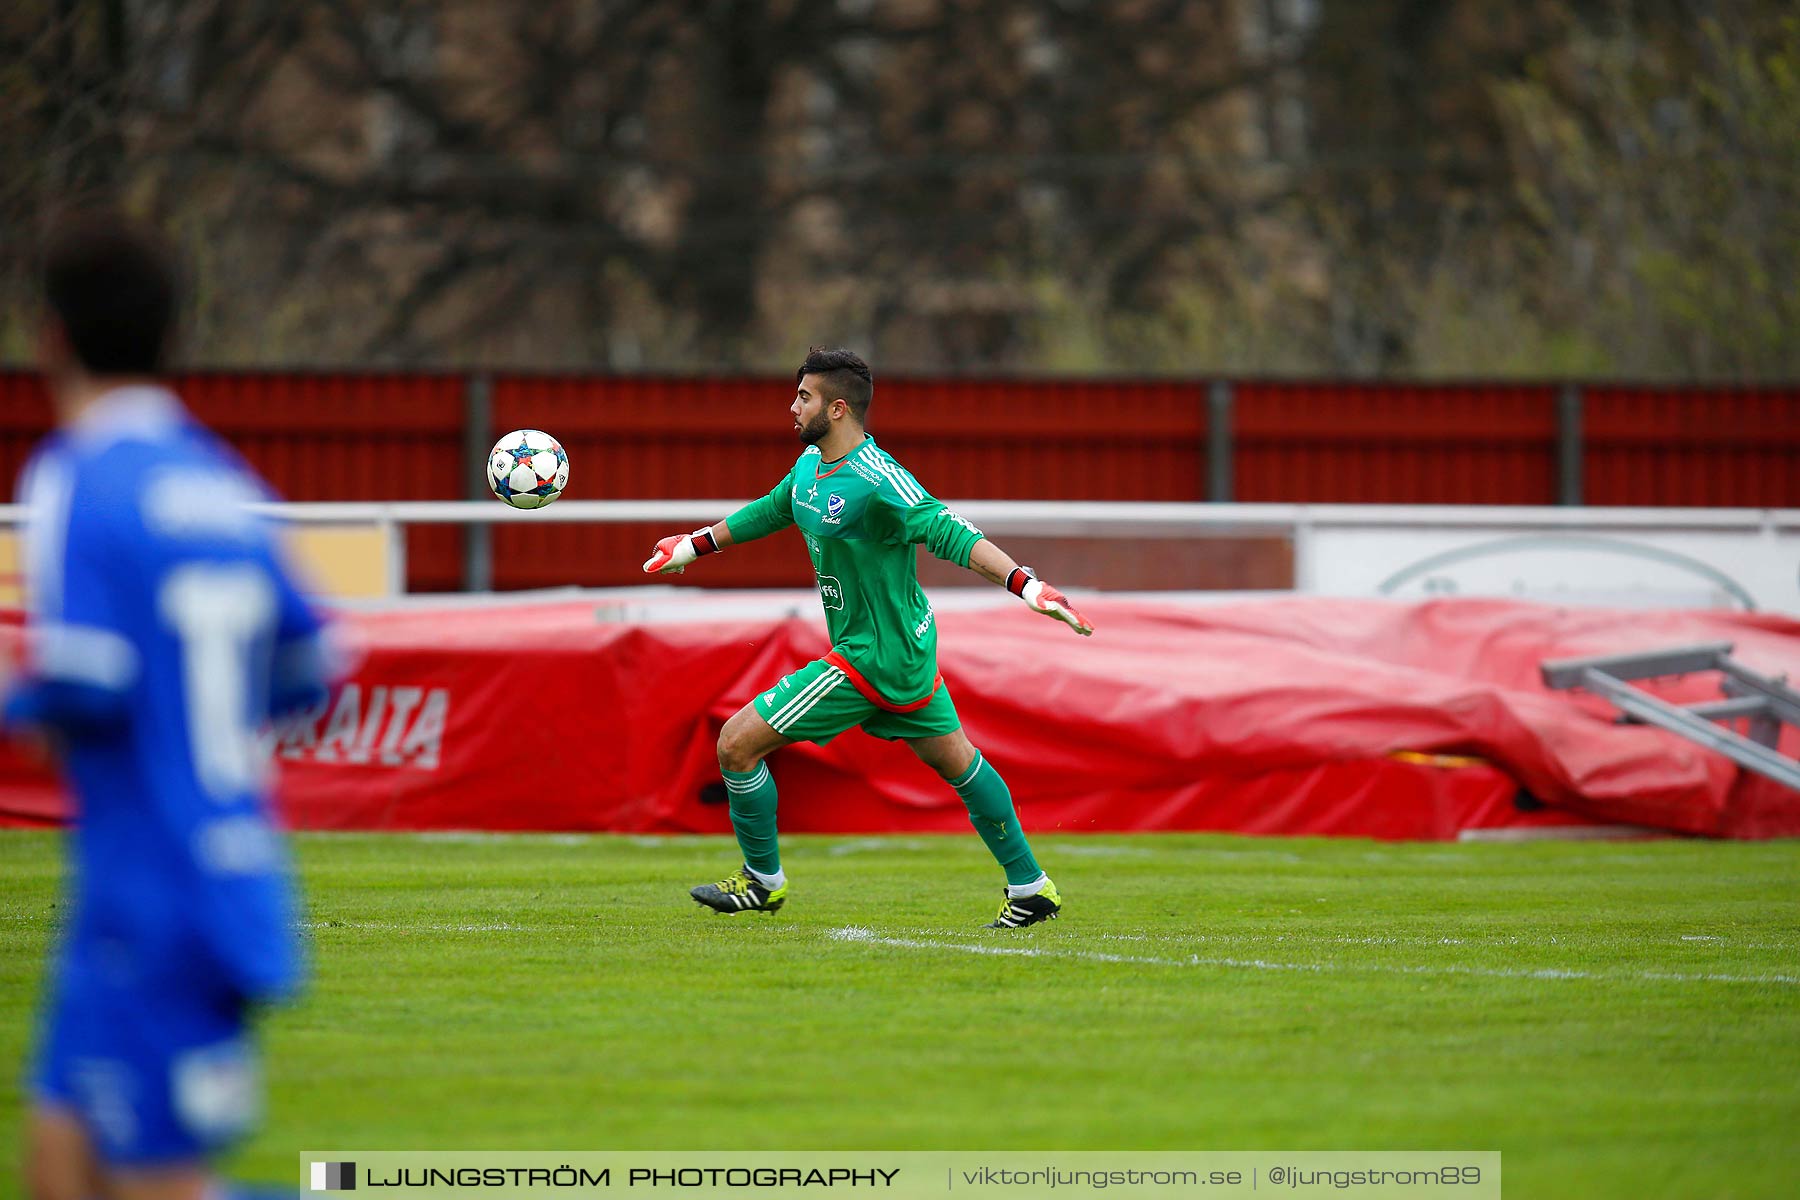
<point x="399" y="927"/>
<point x="877" y="846"/>
<point x="868" y="937"/>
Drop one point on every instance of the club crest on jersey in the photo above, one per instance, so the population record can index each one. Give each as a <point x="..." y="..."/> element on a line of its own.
<point x="834" y="510"/>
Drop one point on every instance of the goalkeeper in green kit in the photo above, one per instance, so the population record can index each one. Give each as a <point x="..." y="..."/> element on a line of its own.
<point x="861" y="514"/>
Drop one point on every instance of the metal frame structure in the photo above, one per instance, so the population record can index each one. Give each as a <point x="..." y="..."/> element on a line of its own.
<point x="1763" y="702"/>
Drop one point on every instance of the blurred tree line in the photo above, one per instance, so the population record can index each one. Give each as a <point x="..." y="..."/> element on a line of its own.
<point x="1357" y="187"/>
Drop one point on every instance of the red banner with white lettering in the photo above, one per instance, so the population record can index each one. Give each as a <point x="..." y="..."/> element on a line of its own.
<point x="1295" y="715"/>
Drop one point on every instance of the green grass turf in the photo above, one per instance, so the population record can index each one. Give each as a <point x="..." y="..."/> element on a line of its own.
<point x="1618" y="1019"/>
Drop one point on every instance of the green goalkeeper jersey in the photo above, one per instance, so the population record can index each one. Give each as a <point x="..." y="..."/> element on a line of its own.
<point x="861" y="517"/>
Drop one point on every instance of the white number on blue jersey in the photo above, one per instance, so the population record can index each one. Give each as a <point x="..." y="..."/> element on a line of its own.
<point x="221" y="612"/>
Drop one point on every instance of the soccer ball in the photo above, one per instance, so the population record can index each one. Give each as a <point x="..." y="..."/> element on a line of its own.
<point x="528" y="468"/>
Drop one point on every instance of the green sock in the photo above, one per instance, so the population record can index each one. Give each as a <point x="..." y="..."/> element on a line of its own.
<point x="753" y="816"/>
<point x="991" y="812"/>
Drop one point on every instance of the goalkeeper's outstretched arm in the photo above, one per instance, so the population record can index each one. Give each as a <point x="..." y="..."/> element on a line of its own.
<point x="996" y="566"/>
<point x="759" y="518"/>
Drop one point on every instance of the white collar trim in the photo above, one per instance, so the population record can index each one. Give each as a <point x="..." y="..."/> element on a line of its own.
<point x="138" y="411"/>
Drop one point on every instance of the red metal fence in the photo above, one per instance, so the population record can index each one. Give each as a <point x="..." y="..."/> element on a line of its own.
<point x="409" y="437"/>
<point x="1351" y="443"/>
<point x="1718" y="448"/>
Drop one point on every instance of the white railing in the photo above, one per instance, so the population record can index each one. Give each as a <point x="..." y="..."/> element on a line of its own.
<point x="1738" y="557"/>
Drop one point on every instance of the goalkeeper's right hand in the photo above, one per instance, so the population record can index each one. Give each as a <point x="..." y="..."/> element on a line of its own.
<point x="1040" y="597"/>
<point x="673" y="554"/>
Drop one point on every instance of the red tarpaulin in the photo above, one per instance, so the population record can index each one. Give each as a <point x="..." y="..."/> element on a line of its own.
<point x="1295" y="715"/>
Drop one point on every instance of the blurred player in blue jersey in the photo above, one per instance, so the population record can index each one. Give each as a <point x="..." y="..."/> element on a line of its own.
<point x="164" y="634"/>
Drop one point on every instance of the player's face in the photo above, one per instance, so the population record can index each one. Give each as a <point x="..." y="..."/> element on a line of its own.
<point x="811" y="413"/>
<point x="61" y="370"/>
<point x="54" y="356"/>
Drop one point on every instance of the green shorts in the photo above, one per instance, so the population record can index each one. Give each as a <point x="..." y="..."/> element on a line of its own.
<point x="818" y="702"/>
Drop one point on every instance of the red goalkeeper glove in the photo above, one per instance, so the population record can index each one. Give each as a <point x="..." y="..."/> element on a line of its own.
<point x="673" y="554"/>
<point x="1042" y="598"/>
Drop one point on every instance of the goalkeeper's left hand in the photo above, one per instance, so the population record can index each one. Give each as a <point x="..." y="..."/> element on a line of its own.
<point x="1040" y="597"/>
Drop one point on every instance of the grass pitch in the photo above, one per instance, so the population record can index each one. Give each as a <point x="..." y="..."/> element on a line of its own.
<point x="1618" y="1019"/>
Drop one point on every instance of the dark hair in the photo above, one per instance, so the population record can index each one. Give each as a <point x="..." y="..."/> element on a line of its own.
<point x="111" y="283"/>
<point x="843" y="375"/>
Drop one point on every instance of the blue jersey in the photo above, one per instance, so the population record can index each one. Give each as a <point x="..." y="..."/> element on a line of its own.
<point x="164" y="635"/>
